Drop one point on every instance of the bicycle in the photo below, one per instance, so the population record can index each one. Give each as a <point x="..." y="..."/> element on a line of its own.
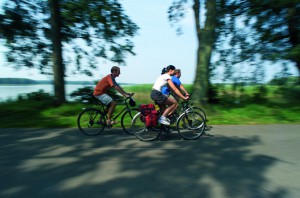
<point x="189" y="124"/>
<point x="92" y="120"/>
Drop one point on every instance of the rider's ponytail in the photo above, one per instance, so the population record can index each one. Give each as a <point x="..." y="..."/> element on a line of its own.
<point x="164" y="70"/>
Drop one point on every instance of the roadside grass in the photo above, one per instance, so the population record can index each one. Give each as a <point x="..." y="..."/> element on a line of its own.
<point x="255" y="114"/>
<point x="274" y="109"/>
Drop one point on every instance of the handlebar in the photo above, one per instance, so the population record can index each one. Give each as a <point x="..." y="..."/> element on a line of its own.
<point x="131" y="94"/>
<point x="131" y="100"/>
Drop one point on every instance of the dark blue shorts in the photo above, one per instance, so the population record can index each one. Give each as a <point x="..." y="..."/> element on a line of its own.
<point x="158" y="97"/>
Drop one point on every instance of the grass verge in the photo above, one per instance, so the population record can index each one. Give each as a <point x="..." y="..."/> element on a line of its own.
<point x="29" y="113"/>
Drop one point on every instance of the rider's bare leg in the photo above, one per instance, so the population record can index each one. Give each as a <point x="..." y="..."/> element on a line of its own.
<point x="111" y="110"/>
<point x="170" y="106"/>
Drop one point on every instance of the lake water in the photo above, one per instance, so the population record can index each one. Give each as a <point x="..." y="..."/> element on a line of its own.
<point x="12" y="91"/>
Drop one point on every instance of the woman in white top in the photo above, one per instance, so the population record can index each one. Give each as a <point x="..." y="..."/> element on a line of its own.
<point x="166" y="104"/>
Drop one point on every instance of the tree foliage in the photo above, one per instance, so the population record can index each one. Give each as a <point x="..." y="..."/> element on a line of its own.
<point x="55" y="35"/>
<point x="89" y="29"/>
<point x="257" y="31"/>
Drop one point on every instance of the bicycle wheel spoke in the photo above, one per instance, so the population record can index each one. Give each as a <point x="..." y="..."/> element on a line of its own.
<point x="128" y="119"/>
<point x="199" y="110"/>
<point x="139" y="129"/>
<point x="147" y="134"/>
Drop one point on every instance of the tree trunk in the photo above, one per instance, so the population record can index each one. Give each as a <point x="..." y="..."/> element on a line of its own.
<point x="206" y="39"/>
<point x="58" y="67"/>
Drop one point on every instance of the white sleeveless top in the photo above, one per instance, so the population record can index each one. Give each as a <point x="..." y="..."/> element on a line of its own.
<point x="161" y="81"/>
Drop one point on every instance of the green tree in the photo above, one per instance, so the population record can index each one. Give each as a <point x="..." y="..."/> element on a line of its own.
<point x="264" y="30"/>
<point x="54" y="35"/>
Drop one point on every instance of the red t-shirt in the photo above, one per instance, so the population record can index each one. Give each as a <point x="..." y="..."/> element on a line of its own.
<point x="104" y="85"/>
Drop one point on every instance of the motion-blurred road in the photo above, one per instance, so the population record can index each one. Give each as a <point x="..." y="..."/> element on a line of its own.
<point x="236" y="162"/>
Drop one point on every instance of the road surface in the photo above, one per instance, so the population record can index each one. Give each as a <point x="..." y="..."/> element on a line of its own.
<point x="259" y="161"/>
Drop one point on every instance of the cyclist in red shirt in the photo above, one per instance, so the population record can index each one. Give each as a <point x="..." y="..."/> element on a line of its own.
<point x="101" y="89"/>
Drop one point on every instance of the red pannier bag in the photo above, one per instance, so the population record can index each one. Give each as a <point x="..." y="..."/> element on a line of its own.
<point x="152" y="118"/>
<point x="148" y="114"/>
<point x="146" y="109"/>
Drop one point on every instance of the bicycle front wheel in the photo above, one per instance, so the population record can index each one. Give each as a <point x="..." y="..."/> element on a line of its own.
<point x="91" y="122"/>
<point x="199" y="110"/>
<point x="190" y="125"/>
<point x="126" y="120"/>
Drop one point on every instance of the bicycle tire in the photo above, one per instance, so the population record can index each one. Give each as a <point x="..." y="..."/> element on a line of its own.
<point x="142" y="132"/>
<point x="126" y="120"/>
<point x="190" y="125"/>
<point x="91" y="122"/>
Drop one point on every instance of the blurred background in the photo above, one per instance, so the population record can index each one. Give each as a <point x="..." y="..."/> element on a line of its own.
<point x="234" y="56"/>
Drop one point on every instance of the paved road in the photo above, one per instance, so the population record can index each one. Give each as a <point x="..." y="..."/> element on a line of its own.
<point x="237" y="162"/>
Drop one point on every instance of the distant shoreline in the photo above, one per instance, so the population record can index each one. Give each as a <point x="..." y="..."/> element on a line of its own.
<point x="26" y="81"/>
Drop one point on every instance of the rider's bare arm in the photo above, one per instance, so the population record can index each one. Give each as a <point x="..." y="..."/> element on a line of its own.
<point x="183" y="89"/>
<point x="121" y="91"/>
<point x="177" y="92"/>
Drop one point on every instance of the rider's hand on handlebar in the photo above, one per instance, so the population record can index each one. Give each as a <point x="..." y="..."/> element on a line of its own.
<point x="129" y="95"/>
<point x="186" y="97"/>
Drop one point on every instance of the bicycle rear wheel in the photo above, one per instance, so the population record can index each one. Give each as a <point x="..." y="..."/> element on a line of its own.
<point x="190" y="125"/>
<point x="141" y="131"/>
<point x="91" y="122"/>
<point x="126" y="121"/>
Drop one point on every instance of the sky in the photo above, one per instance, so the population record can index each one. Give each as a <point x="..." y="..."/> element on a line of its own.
<point x="156" y="46"/>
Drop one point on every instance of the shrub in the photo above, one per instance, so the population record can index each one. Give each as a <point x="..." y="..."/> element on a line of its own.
<point x="260" y="94"/>
<point x="86" y="95"/>
<point x="213" y="94"/>
<point x="38" y="96"/>
<point x="83" y="95"/>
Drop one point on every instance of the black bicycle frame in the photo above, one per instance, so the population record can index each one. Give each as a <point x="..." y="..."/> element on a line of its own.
<point x="121" y="112"/>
